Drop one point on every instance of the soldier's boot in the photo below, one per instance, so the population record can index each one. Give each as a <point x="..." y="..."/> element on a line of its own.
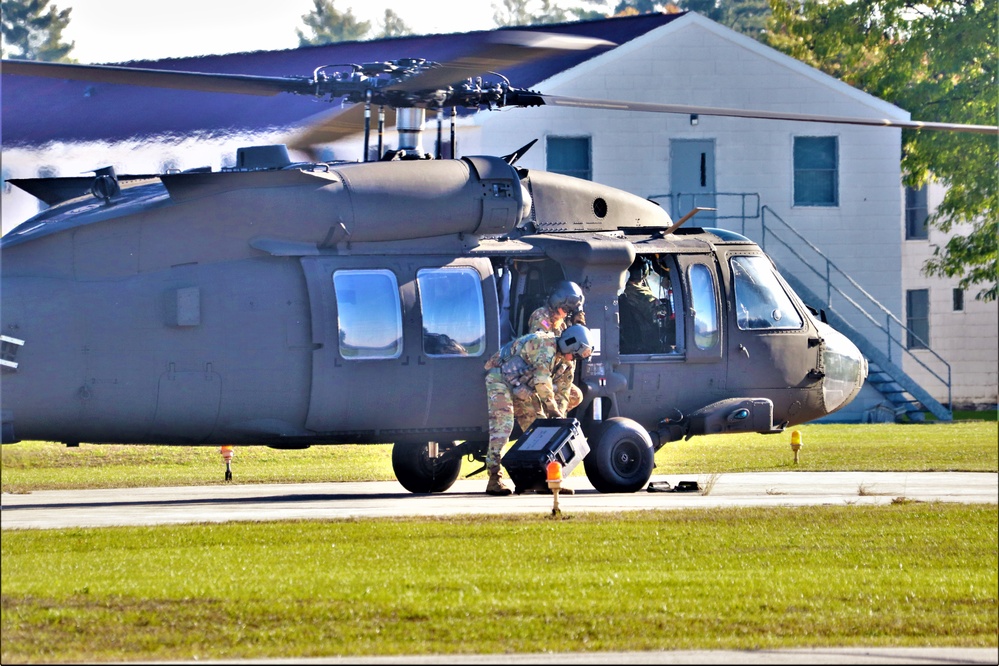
<point x="496" y="485"/>
<point x="562" y="491"/>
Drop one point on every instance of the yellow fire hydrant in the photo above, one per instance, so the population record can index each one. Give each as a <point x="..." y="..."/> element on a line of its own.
<point x="795" y="444"/>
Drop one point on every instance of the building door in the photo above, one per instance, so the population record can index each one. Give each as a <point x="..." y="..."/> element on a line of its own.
<point x="692" y="178"/>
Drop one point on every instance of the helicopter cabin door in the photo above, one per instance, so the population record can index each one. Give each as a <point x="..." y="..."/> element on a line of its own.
<point x="692" y="178"/>
<point x="399" y="346"/>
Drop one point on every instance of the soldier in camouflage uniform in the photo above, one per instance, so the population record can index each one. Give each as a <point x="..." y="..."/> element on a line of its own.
<point x="563" y="309"/>
<point x="641" y="313"/>
<point x="515" y="375"/>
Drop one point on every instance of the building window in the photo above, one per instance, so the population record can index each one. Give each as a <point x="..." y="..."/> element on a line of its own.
<point x="369" y="316"/>
<point x="959" y="300"/>
<point x="454" y="321"/>
<point x="917" y="318"/>
<point x="570" y="156"/>
<point x="916" y="213"/>
<point x="816" y="171"/>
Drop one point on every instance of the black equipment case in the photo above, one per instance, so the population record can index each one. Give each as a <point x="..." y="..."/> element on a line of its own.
<point x="545" y="440"/>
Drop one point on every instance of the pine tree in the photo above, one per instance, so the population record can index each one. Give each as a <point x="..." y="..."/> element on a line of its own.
<point x="393" y="26"/>
<point x="32" y="30"/>
<point x="327" y="25"/>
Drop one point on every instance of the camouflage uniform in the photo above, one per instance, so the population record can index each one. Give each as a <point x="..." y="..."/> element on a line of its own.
<point x="508" y="395"/>
<point x="567" y="395"/>
<point x="641" y="312"/>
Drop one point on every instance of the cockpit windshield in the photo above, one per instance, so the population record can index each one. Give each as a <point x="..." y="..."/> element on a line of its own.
<point x="761" y="302"/>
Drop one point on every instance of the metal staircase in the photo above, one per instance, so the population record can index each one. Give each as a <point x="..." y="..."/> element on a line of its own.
<point x="846" y="306"/>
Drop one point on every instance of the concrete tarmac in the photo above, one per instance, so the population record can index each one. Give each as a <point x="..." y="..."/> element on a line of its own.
<point x="51" y="509"/>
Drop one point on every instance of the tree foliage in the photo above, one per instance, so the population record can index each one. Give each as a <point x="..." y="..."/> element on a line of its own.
<point x="326" y="25"/>
<point x="33" y="30"/>
<point x="541" y="12"/>
<point x="393" y="26"/>
<point x="937" y="60"/>
<point x="746" y="16"/>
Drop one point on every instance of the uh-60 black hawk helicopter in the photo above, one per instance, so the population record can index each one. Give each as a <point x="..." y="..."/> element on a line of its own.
<point x="292" y="304"/>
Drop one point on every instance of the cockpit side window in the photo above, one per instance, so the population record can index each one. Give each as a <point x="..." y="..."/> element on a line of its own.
<point x="369" y="314"/>
<point x="647" y="309"/>
<point x="453" y="314"/>
<point x="760" y="300"/>
<point x="705" y="306"/>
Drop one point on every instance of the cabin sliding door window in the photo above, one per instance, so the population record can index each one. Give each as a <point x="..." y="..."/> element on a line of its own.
<point x="570" y="156"/>
<point x="816" y="171"/>
<point x="369" y="315"/>
<point x="454" y="322"/>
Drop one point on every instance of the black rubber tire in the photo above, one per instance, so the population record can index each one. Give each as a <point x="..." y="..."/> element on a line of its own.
<point x="621" y="458"/>
<point x="418" y="474"/>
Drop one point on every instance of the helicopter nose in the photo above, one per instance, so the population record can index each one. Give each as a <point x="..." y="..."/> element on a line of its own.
<point x="845" y="368"/>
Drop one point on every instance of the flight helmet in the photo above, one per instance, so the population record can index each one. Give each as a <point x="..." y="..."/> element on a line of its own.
<point x="575" y="340"/>
<point x="566" y="295"/>
<point x="640" y="269"/>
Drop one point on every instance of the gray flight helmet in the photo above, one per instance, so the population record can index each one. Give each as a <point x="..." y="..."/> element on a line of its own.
<point x="575" y="340"/>
<point x="566" y="295"/>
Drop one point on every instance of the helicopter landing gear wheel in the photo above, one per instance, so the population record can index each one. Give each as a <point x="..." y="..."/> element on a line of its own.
<point x="419" y="473"/>
<point x="622" y="459"/>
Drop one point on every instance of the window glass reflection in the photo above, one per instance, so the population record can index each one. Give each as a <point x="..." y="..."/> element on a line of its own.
<point x="453" y="314"/>
<point x="702" y="297"/>
<point x="369" y="315"/>
<point x="760" y="300"/>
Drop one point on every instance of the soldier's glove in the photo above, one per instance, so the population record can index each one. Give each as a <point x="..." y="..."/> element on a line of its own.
<point x="579" y="317"/>
<point x="522" y="393"/>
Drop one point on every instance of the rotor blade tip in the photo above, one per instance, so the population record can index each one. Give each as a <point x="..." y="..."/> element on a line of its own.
<point x="548" y="40"/>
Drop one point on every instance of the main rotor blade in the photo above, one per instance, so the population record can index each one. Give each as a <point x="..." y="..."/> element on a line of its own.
<point x="499" y="50"/>
<point x="244" y="84"/>
<point x="581" y="102"/>
<point x="328" y="127"/>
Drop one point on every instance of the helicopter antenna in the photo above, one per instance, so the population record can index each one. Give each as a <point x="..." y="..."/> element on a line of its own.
<point x="513" y="157"/>
<point x="685" y="218"/>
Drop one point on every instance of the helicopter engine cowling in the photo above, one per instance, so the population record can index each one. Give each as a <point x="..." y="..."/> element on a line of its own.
<point x="564" y="203"/>
<point x="475" y="195"/>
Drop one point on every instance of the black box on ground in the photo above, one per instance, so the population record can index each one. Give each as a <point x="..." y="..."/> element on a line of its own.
<point x="545" y="440"/>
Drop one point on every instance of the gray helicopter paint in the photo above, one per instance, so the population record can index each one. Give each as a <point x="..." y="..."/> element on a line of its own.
<point x="205" y="310"/>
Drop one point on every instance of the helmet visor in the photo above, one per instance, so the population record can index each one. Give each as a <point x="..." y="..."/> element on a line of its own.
<point x="573" y="302"/>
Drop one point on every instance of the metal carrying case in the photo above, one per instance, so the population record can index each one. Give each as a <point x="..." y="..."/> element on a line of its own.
<point x="546" y="440"/>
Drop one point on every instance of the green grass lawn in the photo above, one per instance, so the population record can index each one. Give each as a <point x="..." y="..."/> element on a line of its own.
<point x="905" y="574"/>
<point x="958" y="446"/>
<point x="902" y="574"/>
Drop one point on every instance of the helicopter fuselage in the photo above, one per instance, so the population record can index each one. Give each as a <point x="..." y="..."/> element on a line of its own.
<point x="359" y="302"/>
